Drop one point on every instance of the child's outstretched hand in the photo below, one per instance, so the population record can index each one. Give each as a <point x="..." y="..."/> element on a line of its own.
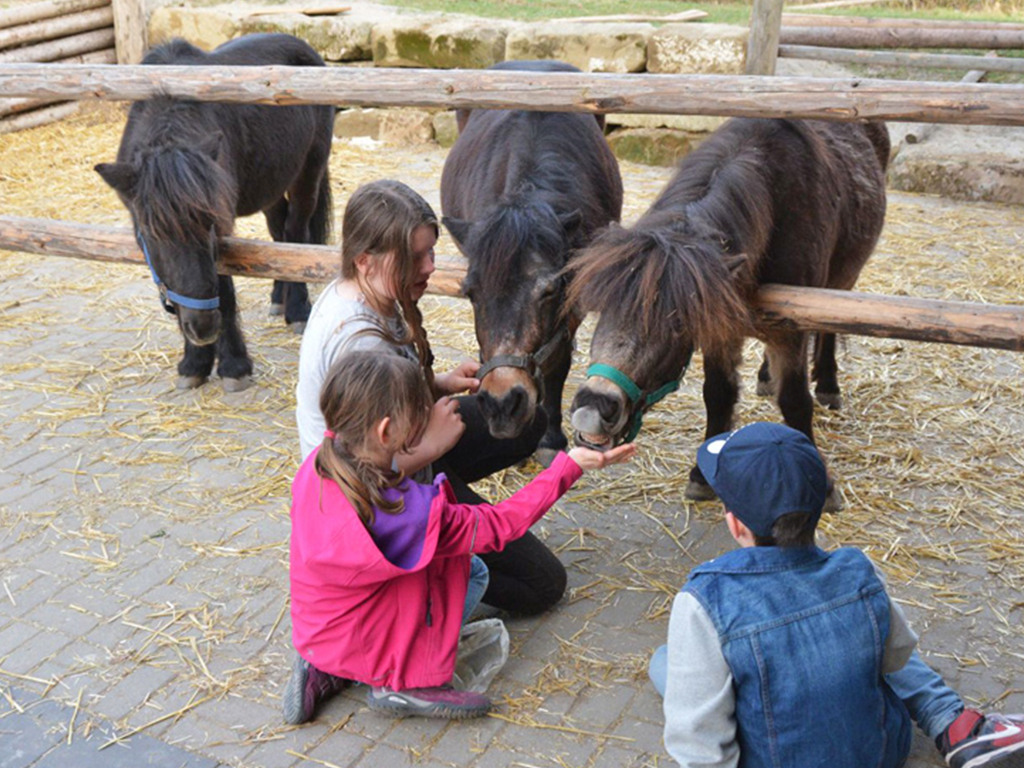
<point x="590" y="459"/>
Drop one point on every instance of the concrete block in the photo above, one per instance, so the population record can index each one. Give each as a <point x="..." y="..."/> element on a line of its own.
<point x="424" y="41"/>
<point x="446" y="131"/>
<point x="591" y="47"/>
<point x="204" y="27"/>
<point x="336" y="38"/>
<point x="406" y="126"/>
<point x="650" y="146"/>
<point x="350" y="123"/>
<point x="709" y="49"/>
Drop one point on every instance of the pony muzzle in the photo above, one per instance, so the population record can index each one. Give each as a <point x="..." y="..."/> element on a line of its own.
<point x="507" y="413"/>
<point x="199" y="326"/>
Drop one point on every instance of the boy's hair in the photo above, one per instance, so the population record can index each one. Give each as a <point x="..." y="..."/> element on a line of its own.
<point x="795" y="529"/>
<point x="360" y="389"/>
<point x="379" y="219"/>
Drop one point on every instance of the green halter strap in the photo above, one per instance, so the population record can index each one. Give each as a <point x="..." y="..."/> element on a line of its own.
<point x="633" y="392"/>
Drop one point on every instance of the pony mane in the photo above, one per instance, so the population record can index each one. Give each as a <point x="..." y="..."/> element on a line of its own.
<point x="181" y="191"/>
<point x="665" y="278"/>
<point x="520" y="223"/>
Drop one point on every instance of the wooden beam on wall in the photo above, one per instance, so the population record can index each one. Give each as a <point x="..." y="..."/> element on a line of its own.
<point x="26" y="14"/>
<point x="849" y="99"/>
<point x="898" y="317"/>
<point x="903" y="59"/>
<point x="131" y="35"/>
<point x="902" y="37"/>
<point x="763" y="45"/>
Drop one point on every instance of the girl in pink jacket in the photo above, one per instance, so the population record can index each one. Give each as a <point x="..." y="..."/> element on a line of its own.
<point x="380" y="565"/>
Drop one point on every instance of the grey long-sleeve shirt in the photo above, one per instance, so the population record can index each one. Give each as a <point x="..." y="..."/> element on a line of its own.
<point x="700" y="705"/>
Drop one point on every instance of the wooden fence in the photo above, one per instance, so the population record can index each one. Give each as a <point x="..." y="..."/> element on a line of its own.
<point x="84" y="32"/>
<point x="851" y="100"/>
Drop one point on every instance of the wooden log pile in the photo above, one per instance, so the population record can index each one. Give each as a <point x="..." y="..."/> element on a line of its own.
<point x="56" y="31"/>
<point x="865" y="40"/>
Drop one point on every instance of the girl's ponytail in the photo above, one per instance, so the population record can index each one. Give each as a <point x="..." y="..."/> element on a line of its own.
<point x="360" y="389"/>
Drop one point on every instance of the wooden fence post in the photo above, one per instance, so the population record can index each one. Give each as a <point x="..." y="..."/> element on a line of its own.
<point x="763" y="46"/>
<point x="130" y="36"/>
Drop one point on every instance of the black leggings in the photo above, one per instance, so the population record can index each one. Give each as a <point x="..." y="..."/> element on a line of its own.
<point x="526" y="578"/>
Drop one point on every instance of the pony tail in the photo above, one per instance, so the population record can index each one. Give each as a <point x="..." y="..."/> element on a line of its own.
<point x="361" y="482"/>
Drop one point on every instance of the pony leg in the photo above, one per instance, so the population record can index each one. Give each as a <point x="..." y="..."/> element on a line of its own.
<point x="235" y="367"/>
<point x="789" y="369"/>
<point x="308" y="221"/>
<point x="825" y="372"/>
<point x="195" y="365"/>
<point x="765" y="385"/>
<point x="275" y="216"/>
<point x="721" y="392"/>
<point x="554" y="439"/>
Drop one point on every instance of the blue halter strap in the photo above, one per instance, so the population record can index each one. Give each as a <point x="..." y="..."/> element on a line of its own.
<point x="633" y="392"/>
<point x="166" y="293"/>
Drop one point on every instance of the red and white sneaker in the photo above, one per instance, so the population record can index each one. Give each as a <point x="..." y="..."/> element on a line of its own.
<point x="976" y="739"/>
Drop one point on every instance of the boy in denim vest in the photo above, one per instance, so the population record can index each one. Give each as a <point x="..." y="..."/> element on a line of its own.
<point x="781" y="654"/>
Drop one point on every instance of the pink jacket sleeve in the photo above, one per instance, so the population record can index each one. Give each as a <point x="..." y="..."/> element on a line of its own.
<point x="467" y="528"/>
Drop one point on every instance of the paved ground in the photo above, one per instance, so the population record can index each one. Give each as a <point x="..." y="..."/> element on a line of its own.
<point x="143" y="532"/>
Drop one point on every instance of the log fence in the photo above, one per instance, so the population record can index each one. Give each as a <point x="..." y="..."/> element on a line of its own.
<point x="846" y="99"/>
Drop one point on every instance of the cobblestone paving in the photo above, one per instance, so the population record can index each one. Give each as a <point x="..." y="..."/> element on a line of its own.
<point x="143" y="556"/>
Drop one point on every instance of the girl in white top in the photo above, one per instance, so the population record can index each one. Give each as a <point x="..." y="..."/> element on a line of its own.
<point x="387" y="257"/>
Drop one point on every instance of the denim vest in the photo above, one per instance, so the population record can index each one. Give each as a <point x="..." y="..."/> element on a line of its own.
<point x="803" y="632"/>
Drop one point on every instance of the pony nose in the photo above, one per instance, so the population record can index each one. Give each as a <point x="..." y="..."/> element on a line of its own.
<point x="506" y="416"/>
<point x="201" y="327"/>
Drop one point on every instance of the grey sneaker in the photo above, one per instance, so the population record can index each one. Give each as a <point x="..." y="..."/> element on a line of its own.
<point x="306" y="688"/>
<point x="442" y="701"/>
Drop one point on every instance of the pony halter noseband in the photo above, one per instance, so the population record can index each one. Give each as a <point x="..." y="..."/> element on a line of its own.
<point x="634" y="393"/>
<point x="166" y="294"/>
<point x="533" y="364"/>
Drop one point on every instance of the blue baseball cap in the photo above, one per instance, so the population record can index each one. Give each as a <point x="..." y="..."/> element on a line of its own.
<point x="763" y="471"/>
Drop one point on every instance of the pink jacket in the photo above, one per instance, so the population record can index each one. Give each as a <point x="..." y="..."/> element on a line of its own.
<point x="358" y="616"/>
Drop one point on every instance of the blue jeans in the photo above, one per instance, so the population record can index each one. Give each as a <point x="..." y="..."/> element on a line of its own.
<point x="932" y="704"/>
<point x="479" y="578"/>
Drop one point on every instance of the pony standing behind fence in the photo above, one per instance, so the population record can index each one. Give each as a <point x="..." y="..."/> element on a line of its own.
<point x="796" y="202"/>
<point x="520" y="190"/>
<point x="186" y="169"/>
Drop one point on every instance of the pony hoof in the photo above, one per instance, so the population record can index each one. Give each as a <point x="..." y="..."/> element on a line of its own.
<point x="544" y="456"/>
<point x="275" y="309"/>
<point x="699" y="491"/>
<point x="765" y="389"/>
<point x="834" y="501"/>
<point x="299" y="327"/>
<point x="190" y="382"/>
<point x="831" y="400"/>
<point x="236" y="385"/>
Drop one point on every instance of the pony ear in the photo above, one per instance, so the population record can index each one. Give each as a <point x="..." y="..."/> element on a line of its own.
<point x="211" y="145"/>
<point x="571" y="221"/>
<point x="120" y="176"/>
<point x="458" y="228"/>
<point x="738" y="264"/>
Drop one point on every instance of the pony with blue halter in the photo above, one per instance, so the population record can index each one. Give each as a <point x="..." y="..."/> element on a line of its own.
<point x="186" y="169"/>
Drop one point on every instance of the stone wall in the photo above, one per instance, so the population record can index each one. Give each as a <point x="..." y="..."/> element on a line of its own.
<point x="374" y="35"/>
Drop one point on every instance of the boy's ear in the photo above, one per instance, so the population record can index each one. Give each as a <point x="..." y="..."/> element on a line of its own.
<point x="739" y="531"/>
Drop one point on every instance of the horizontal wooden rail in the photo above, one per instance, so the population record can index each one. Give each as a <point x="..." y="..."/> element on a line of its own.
<point x="883" y="22"/>
<point x="949" y="322"/>
<point x="26" y="14"/>
<point x="902" y="37"/>
<point x="902" y="59"/>
<point x="848" y="99"/>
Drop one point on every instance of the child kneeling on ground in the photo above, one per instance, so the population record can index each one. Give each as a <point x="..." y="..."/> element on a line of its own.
<point x="782" y="654"/>
<point x="383" y="571"/>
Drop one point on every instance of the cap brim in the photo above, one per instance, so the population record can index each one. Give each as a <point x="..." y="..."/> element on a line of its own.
<point x="707" y="458"/>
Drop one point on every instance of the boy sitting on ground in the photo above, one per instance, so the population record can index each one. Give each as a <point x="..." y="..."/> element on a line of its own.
<point x="781" y="654"/>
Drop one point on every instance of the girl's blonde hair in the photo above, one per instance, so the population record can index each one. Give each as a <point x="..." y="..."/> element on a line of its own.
<point x="379" y="219"/>
<point x="362" y="388"/>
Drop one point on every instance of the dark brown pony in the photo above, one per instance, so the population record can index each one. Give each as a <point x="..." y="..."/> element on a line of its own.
<point x="520" y="191"/>
<point x="186" y="169"/>
<point x="761" y="201"/>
